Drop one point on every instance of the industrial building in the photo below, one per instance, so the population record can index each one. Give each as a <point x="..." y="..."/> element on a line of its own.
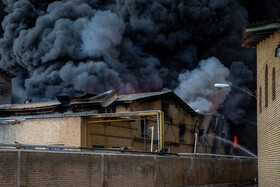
<point x="265" y="37"/>
<point x="155" y="121"/>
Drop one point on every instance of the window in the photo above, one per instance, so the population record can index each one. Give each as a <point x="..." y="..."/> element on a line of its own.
<point x="260" y="100"/>
<point x="165" y="110"/>
<point x="167" y="150"/>
<point x="54" y="149"/>
<point x="107" y="110"/>
<point x="266" y="87"/>
<point x="33" y="148"/>
<point x="2" y="89"/>
<point x="57" y="147"/>
<point x="143" y="129"/>
<point x="273" y="85"/>
<point x="182" y="130"/>
<point x="97" y="146"/>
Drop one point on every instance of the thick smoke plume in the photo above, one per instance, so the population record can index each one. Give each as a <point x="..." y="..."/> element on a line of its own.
<point x="91" y="46"/>
<point x="197" y="86"/>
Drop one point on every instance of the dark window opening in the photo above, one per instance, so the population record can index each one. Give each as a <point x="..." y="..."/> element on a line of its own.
<point x="166" y="150"/>
<point x="165" y="110"/>
<point x="260" y="100"/>
<point x="54" y="149"/>
<point x="182" y="130"/>
<point x="266" y="87"/>
<point x="273" y="85"/>
<point x="200" y="132"/>
<point x="143" y="129"/>
<point x="97" y="146"/>
<point x="107" y="110"/>
<point x="33" y="148"/>
<point x="2" y="89"/>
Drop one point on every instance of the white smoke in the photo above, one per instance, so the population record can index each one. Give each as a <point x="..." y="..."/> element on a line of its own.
<point x="196" y="87"/>
<point x="102" y="34"/>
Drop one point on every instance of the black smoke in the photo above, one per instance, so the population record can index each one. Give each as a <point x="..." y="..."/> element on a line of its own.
<point x="260" y="10"/>
<point x="132" y="46"/>
<point x="57" y="47"/>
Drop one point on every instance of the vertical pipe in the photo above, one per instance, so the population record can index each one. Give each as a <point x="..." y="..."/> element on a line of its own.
<point x="194" y="136"/>
<point x="158" y="126"/>
<point x="152" y="138"/>
<point x="195" y="142"/>
<point x="85" y="132"/>
<point x="145" y="135"/>
<point x="161" y="131"/>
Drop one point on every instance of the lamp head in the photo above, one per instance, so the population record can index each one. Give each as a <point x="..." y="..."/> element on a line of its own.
<point x="220" y="85"/>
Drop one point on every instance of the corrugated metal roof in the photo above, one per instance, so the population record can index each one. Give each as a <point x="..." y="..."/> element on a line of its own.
<point x="122" y="98"/>
<point x="263" y="22"/>
<point x="136" y="96"/>
<point x="256" y="32"/>
<point x="29" y="105"/>
<point x="128" y="97"/>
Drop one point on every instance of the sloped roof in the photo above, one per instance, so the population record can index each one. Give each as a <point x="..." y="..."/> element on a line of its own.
<point x="41" y="106"/>
<point x="171" y="94"/>
<point x="136" y="96"/>
<point x="256" y="32"/>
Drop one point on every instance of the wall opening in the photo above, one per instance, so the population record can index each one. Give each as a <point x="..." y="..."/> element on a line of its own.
<point x="266" y="87"/>
<point x="260" y="100"/>
<point x="273" y="85"/>
<point x="143" y="129"/>
<point x="182" y="130"/>
<point x="165" y="110"/>
<point x="2" y="89"/>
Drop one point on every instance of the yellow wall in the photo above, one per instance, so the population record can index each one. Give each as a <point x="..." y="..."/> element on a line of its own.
<point x="128" y="134"/>
<point x="269" y="118"/>
<point x="63" y="131"/>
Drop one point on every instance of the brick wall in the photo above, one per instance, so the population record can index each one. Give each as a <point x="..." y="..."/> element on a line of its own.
<point x="66" y="131"/>
<point x="268" y="116"/>
<point x="54" y="168"/>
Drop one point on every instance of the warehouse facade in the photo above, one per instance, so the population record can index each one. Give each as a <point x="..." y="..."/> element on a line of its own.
<point x="155" y="121"/>
<point x="125" y="123"/>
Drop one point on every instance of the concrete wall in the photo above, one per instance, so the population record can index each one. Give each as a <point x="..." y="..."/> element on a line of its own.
<point x="42" y="168"/>
<point x="268" y="116"/>
<point x="63" y="131"/>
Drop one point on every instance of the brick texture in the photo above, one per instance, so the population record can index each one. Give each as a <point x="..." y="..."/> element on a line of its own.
<point x="65" y="131"/>
<point x="268" y="116"/>
<point x="60" y="168"/>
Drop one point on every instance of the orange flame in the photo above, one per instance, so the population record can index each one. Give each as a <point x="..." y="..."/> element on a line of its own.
<point x="235" y="142"/>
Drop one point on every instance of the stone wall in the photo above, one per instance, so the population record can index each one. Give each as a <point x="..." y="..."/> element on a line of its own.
<point x="61" y="168"/>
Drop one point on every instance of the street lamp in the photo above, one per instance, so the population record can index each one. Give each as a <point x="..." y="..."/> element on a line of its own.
<point x="222" y="85"/>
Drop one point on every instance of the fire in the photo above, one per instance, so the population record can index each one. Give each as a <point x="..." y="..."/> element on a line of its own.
<point x="235" y="142"/>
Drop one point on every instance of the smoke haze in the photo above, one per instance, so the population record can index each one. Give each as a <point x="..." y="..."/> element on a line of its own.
<point x="196" y="87"/>
<point x="56" y="47"/>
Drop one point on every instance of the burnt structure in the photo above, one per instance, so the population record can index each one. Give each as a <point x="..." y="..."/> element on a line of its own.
<point x="111" y="121"/>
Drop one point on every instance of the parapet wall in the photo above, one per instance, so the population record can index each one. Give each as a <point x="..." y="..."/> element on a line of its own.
<point x="55" y="168"/>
